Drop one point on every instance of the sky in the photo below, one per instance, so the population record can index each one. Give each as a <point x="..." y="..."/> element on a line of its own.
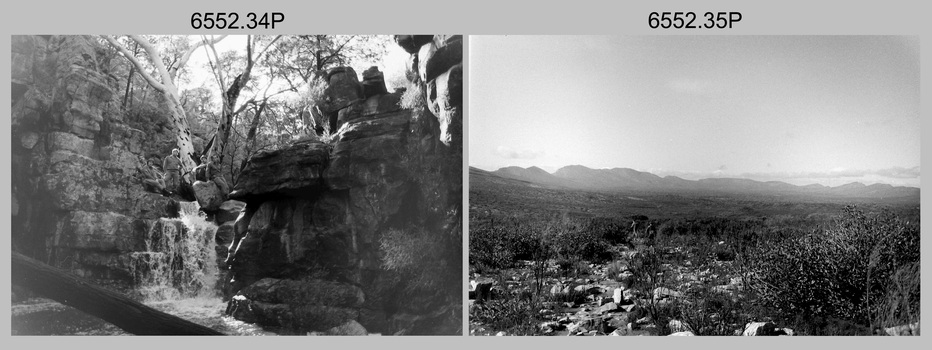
<point x="392" y="64"/>
<point x="799" y="109"/>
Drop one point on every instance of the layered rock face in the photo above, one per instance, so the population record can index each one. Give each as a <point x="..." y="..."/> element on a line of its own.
<point x="329" y="231"/>
<point x="77" y="201"/>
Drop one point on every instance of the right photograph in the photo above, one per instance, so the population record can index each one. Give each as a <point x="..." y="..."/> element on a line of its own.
<point x="694" y="185"/>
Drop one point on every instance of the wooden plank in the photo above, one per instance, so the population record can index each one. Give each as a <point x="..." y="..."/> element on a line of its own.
<point x="130" y="315"/>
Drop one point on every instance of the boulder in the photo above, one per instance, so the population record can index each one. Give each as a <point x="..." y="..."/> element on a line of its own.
<point x="149" y="205"/>
<point x="438" y="56"/>
<point x="298" y="306"/>
<point x="208" y="195"/>
<point x="325" y="211"/>
<point x="762" y="329"/>
<point x="351" y="327"/>
<point x="610" y="307"/>
<point x="29" y="139"/>
<point x="377" y="104"/>
<point x="229" y="211"/>
<point x="290" y="319"/>
<point x="373" y="82"/>
<point x="664" y="293"/>
<point x="617" y="295"/>
<point x="682" y="334"/>
<point x="483" y="290"/>
<point x="288" y="171"/>
<point x="446" y="91"/>
<point x="343" y="88"/>
<point x="370" y="151"/>
<point x="412" y="43"/>
<point x="901" y="330"/>
<point x="598" y="324"/>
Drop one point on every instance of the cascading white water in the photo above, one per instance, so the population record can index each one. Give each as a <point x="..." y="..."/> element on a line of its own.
<point x="178" y="272"/>
<point x="180" y="259"/>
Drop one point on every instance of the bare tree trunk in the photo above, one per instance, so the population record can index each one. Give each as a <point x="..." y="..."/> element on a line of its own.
<point x="129" y="79"/>
<point x="128" y="314"/>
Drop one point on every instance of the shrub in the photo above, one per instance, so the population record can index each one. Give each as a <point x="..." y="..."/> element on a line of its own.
<point x="412" y="97"/>
<point x="573" y="296"/>
<point x="615" y="268"/>
<point x="709" y="312"/>
<point x="515" y="316"/>
<point x="842" y="273"/>
<point x="425" y="262"/>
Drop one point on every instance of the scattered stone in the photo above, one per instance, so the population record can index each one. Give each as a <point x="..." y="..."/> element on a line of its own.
<point x="483" y="290"/>
<point x="682" y="334"/>
<point x="29" y="140"/>
<point x="664" y="293"/>
<point x="901" y="330"/>
<point x="351" y="327"/>
<point x="610" y="307"/>
<point x="762" y="329"/>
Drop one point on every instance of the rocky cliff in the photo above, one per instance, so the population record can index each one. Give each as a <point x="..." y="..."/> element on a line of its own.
<point x="366" y="227"/>
<point x="356" y="231"/>
<point x="77" y="201"/>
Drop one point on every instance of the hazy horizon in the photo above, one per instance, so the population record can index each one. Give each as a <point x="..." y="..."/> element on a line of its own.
<point x="799" y="109"/>
<point x="831" y="179"/>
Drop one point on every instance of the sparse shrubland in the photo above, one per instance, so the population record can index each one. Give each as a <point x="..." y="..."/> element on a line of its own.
<point x="855" y="273"/>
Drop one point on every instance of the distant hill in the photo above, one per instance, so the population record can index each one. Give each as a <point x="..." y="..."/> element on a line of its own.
<point x="619" y="179"/>
<point x="533" y="174"/>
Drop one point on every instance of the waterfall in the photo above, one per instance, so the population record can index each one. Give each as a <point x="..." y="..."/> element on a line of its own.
<point x="189" y="209"/>
<point x="180" y="259"/>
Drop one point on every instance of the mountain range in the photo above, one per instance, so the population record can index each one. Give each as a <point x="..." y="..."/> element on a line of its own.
<point x="625" y="179"/>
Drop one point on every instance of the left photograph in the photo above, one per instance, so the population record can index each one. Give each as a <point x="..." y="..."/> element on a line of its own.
<point x="237" y="185"/>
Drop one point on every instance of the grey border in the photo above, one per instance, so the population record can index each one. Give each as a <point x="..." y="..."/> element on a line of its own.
<point x="894" y="17"/>
<point x="465" y="209"/>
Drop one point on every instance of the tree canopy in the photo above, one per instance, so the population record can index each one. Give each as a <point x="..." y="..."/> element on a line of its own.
<point x="240" y="94"/>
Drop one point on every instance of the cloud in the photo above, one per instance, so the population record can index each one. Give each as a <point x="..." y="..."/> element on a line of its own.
<point x="511" y="153"/>
<point x="896" y="176"/>
<point x="900" y="173"/>
<point x="891" y="173"/>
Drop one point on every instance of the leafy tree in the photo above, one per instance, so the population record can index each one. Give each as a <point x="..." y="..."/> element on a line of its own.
<point x="165" y="80"/>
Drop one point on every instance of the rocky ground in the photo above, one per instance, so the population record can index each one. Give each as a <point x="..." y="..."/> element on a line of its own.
<point x="591" y="299"/>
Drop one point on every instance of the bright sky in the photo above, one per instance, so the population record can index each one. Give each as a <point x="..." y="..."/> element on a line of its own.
<point x="392" y="65"/>
<point x="801" y="109"/>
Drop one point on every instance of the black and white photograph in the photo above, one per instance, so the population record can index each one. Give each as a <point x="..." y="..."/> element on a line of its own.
<point x="252" y="185"/>
<point x="694" y="185"/>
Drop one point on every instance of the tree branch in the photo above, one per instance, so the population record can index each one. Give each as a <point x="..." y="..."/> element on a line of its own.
<point x="216" y="69"/>
<point x="173" y="71"/>
<point x="132" y="59"/>
<point x="156" y="61"/>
